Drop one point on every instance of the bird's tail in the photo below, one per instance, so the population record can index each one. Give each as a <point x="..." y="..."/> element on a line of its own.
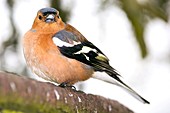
<point x="120" y="83"/>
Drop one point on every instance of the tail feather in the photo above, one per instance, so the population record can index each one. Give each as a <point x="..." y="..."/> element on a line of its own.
<point x="120" y="83"/>
<point x="132" y="92"/>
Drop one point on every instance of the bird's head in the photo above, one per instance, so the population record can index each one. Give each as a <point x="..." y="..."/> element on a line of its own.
<point x="48" y="17"/>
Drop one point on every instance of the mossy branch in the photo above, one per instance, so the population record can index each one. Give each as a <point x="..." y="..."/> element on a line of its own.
<point x="19" y="94"/>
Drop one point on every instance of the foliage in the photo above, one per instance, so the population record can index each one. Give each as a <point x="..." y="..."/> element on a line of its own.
<point x="139" y="12"/>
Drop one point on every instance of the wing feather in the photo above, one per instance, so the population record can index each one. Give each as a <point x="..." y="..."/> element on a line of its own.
<point x="72" y="45"/>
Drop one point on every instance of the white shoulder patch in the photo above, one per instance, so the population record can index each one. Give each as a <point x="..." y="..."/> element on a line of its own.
<point x="61" y="43"/>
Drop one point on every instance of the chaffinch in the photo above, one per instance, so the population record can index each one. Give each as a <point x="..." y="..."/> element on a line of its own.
<point x="58" y="52"/>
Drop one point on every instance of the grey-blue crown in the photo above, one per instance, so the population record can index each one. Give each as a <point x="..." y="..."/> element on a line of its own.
<point x="49" y="10"/>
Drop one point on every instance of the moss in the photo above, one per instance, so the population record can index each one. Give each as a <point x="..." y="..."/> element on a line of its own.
<point x="10" y="111"/>
<point x="15" y="104"/>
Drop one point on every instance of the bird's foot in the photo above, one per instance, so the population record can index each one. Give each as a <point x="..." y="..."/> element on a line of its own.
<point x="66" y="85"/>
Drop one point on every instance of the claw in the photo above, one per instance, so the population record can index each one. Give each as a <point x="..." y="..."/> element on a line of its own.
<point x="64" y="85"/>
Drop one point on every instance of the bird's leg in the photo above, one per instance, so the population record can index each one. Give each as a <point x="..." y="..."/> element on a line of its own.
<point x="65" y="84"/>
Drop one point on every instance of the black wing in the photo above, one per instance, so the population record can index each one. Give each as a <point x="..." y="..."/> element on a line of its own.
<point x="84" y="52"/>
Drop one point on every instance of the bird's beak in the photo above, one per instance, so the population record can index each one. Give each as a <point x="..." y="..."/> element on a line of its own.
<point x="50" y="18"/>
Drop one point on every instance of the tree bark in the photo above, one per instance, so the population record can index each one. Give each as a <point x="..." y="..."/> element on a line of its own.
<point x="25" y="95"/>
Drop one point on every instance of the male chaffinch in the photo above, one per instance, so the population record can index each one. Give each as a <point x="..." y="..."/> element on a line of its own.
<point x="58" y="52"/>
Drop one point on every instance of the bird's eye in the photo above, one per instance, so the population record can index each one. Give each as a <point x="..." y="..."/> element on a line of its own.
<point x="58" y="16"/>
<point x="40" y="17"/>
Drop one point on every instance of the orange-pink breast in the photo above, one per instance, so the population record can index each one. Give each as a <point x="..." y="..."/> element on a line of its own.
<point x="44" y="59"/>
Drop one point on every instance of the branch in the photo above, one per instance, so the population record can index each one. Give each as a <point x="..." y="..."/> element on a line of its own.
<point x="22" y="94"/>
